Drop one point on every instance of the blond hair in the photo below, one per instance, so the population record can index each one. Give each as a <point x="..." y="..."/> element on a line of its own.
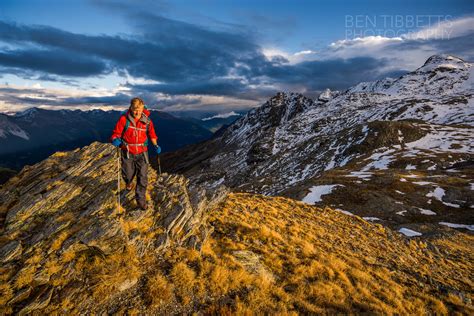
<point x="136" y="102"/>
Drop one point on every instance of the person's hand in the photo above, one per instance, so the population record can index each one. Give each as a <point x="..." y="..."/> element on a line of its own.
<point x="117" y="142"/>
<point x="158" y="149"/>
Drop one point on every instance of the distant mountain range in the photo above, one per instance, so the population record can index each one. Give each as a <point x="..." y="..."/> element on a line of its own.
<point x="32" y="135"/>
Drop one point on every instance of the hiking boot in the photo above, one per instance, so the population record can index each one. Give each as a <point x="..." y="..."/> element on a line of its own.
<point x="143" y="205"/>
<point x="129" y="187"/>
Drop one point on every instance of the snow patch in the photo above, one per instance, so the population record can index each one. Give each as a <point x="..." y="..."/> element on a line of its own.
<point x="422" y="182"/>
<point x="345" y="212"/>
<point x="371" y="219"/>
<point x="451" y="204"/>
<point x="223" y="115"/>
<point x="452" y="225"/>
<point x="360" y="174"/>
<point x="426" y="212"/>
<point x="317" y="191"/>
<point x="379" y="160"/>
<point x="445" y="139"/>
<point x="408" y="232"/>
<point x="438" y="194"/>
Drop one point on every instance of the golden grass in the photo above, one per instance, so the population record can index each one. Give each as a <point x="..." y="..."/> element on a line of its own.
<point x="159" y="290"/>
<point x="270" y="255"/>
<point x="143" y="226"/>
<point x="6" y="293"/>
<point x="115" y="273"/>
<point x="52" y="267"/>
<point x="25" y="276"/>
<point x="183" y="279"/>
<point x="66" y="216"/>
<point x="324" y="261"/>
<point x="68" y="255"/>
<point x="57" y="243"/>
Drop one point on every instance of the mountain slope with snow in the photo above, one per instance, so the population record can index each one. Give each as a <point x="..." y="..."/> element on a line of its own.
<point x="10" y="129"/>
<point x="291" y="141"/>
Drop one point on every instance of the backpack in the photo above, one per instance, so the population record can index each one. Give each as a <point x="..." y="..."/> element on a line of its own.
<point x="127" y="124"/>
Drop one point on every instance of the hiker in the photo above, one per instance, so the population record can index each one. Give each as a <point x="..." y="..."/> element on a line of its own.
<point x="131" y="135"/>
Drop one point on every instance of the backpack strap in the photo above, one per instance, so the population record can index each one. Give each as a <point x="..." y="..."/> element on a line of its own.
<point x="147" y="124"/>
<point x="145" y="119"/>
<point x="127" y="124"/>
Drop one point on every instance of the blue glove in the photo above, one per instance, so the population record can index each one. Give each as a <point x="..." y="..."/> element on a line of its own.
<point x="117" y="142"/>
<point x="158" y="149"/>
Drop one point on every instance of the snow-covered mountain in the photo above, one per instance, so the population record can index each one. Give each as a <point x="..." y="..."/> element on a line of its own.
<point x="291" y="142"/>
<point x="8" y="128"/>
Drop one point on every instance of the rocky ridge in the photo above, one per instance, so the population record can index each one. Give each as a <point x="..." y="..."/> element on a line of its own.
<point x="66" y="208"/>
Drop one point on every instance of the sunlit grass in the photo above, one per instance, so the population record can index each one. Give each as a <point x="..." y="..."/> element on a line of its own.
<point x="266" y="255"/>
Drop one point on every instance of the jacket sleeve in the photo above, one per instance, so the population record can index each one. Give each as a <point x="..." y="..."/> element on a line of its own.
<point x="117" y="132"/>
<point x="151" y="131"/>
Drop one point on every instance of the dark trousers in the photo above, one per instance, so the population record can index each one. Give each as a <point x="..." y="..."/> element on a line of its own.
<point x="135" y="165"/>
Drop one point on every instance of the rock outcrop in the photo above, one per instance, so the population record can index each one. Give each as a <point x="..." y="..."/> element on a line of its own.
<point x="65" y="209"/>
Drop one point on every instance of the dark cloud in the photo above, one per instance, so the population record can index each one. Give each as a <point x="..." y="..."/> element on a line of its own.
<point x="41" y="96"/>
<point x="311" y="75"/>
<point x="334" y="74"/>
<point x="38" y="92"/>
<point x="37" y="75"/>
<point x="53" y="61"/>
<point x="462" y="46"/>
<point x="167" y="50"/>
<point x="118" y="98"/>
<point x="211" y="87"/>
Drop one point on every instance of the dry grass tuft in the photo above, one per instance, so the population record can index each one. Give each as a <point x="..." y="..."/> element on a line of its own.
<point x="159" y="290"/>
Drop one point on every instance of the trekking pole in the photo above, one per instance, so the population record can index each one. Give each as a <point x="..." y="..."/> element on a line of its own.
<point x="159" y="165"/>
<point x="118" y="177"/>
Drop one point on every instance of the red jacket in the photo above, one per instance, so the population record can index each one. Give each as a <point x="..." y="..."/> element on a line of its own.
<point x="135" y="136"/>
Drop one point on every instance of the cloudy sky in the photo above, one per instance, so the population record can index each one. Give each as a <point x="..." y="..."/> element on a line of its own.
<point x="214" y="55"/>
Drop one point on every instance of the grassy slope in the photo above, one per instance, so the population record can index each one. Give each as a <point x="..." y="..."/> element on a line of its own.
<point x="272" y="255"/>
